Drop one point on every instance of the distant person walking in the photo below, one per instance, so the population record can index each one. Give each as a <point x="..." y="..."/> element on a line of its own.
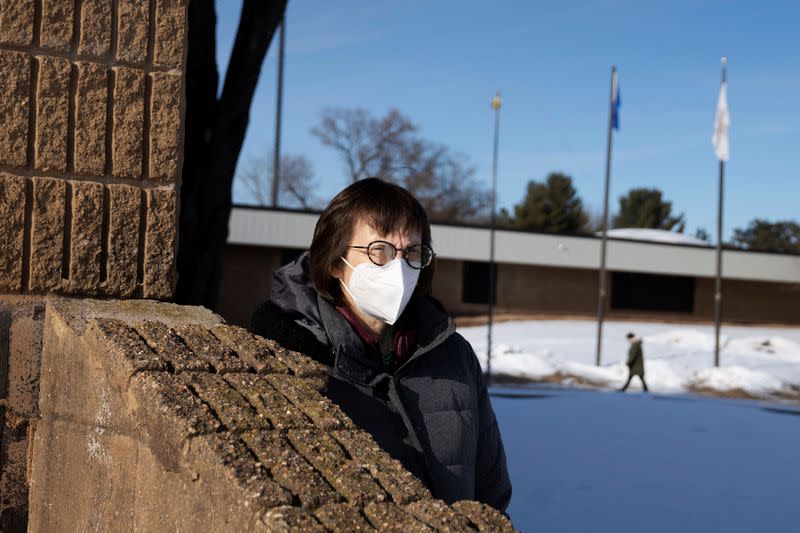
<point x="635" y="361"/>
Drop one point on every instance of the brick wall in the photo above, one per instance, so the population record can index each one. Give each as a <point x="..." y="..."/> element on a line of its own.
<point x="91" y="125"/>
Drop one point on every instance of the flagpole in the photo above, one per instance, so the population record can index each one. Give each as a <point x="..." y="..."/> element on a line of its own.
<point x="276" y="161"/>
<point x="496" y="103"/>
<point x="718" y="291"/>
<point x="601" y="290"/>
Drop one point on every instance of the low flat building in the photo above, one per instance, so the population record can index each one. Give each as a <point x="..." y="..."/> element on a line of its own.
<point x="539" y="274"/>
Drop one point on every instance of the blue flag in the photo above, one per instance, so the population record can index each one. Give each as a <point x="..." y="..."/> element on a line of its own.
<point x="616" y="101"/>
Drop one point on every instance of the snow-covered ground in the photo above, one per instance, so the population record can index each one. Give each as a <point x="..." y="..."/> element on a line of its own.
<point x="758" y="360"/>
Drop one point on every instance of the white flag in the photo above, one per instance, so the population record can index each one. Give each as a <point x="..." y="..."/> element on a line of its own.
<point x="721" y="124"/>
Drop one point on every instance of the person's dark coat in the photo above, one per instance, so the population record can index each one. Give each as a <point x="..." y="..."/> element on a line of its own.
<point x="432" y="414"/>
<point x="636" y="359"/>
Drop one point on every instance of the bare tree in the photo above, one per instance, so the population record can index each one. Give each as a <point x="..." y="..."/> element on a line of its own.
<point x="256" y="181"/>
<point x="391" y="147"/>
<point x="297" y="182"/>
<point x="215" y="127"/>
<point x="369" y="146"/>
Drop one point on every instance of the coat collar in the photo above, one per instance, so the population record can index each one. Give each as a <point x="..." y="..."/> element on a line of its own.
<point x="293" y="295"/>
<point x="434" y="326"/>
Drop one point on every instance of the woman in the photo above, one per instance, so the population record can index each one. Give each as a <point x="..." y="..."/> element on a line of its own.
<point x="359" y="302"/>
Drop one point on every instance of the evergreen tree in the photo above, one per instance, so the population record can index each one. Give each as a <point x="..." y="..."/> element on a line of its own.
<point x="762" y="235"/>
<point x="553" y="207"/>
<point x="645" y="208"/>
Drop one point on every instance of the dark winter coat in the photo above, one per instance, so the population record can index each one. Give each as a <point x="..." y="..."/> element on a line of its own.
<point x="636" y="359"/>
<point x="432" y="414"/>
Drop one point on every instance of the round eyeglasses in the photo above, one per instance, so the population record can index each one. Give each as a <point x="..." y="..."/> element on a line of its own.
<point x="381" y="252"/>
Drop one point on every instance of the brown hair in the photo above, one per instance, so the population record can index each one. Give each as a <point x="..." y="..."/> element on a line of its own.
<point x="386" y="207"/>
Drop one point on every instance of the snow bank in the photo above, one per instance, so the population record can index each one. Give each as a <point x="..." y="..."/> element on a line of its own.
<point x="738" y="377"/>
<point x="756" y="360"/>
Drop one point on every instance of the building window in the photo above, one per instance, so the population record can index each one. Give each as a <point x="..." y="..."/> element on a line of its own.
<point x="475" y="283"/>
<point x="652" y="292"/>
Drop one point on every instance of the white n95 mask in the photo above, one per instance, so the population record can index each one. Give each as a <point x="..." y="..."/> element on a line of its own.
<point x="382" y="292"/>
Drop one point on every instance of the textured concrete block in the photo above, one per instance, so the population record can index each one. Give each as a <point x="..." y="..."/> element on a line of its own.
<point x="231" y="408"/>
<point x="86" y="236"/>
<point x="52" y="107"/>
<point x="165" y="126"/>
<point x="347" y="477"/>
<point x="123" y="239"/>
<point x="132" y="21"/>
<point x="90" y="119"/>
<point x="301" y="365"/>
<point x="56" y="32"/>
<point x="268" y="401"/>
<point x="47" y="233"/>
<point x="170" y="19"/>
<point x="208" y="348"/>
<point x="361" y="446"/>
<point x="128" y="123"/>
<point x="14" y="106"/>
<point x="171" y="413"/>
<point x="319" y="449"/>
<point x="170" y="347"/>
<point x="289" y="469"/>
<point x="161" y="241"/>
<point x="355" y="483"/>
<point x="122" y="342"/>
<point x="342" y="518"/>
<point x="16" y="22"/>
<point x="95" y="34"/>
<point x="167" y="396"/>
<point x="401" y="485"/>
<point x="225" y="456"/>
<point x="254" y="350"/>
<point x="324" y="413"/>
<point x="12" y="221"/>
<point x="294" y="519"/>
<point x="393" y="518"/>
<point x="486" y="518"/>
<point x="437" y="514"/>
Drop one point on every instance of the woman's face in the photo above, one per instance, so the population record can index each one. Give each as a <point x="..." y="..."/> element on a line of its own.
<point x="363" y="234"/>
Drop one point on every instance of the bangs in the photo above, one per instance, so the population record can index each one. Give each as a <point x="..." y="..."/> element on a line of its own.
<point x="393" y="219"/>
<point x="388" y="208"/>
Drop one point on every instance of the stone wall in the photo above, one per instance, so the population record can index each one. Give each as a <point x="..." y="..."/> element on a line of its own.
<point x="156" y="417"/>
<point x="91" y="108"/>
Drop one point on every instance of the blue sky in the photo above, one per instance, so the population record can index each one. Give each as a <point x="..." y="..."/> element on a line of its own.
<point x="440" y="62"/>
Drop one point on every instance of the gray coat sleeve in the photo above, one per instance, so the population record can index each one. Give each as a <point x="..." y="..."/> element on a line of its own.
<point x="492" y="485"/>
